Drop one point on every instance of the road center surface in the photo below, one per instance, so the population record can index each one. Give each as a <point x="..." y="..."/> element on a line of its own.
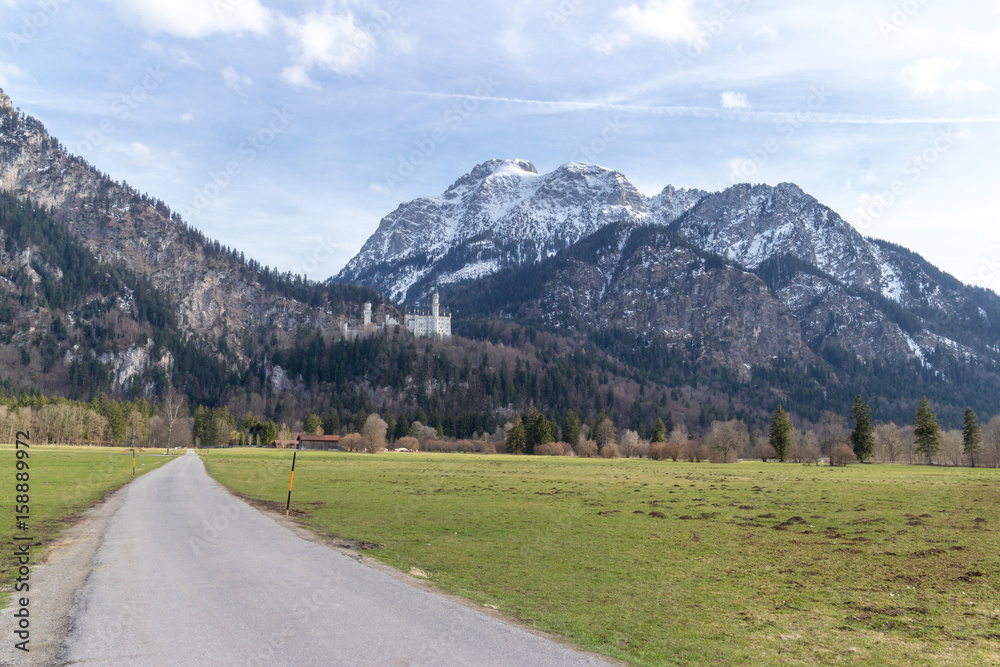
<point x="187" y="574"/>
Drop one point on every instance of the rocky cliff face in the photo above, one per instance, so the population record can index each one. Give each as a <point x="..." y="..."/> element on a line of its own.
<point x="503" y="213"/>
<point x="215" y="296"/>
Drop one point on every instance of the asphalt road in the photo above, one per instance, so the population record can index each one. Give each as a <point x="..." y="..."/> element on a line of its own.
<point x="188" y="575"/>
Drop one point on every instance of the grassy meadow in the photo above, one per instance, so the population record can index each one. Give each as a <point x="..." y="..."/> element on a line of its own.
<point x="64" y="481"/>
<point x="677" y="563"/>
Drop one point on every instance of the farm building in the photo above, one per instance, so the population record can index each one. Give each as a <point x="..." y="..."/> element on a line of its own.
<point x="321" y="442"/>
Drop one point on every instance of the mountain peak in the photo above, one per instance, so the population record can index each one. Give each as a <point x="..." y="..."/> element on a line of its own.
<point x="5" y="102"/>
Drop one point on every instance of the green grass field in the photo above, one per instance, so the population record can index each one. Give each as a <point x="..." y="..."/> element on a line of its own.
<point x="64" y="481"/>
<point x="678" y="563"/>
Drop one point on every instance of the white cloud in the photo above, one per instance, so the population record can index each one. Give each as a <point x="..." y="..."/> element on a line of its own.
<point x="142" y="155"/>
<point x="183" y="58"/>
<point x="668" y="21"/>
<point x="766" y="33"/>
<point x="10" y="71"/>
<point x="296" y="75"/>
<point x="150" y="46"/>
<point x="335" y="42"/>
<point x="197" y="18"/>
<point x="732" y="100"/>
<point x="931" y="76"/>
<point x="236" y="81"/>
<point x="187" y="117"/>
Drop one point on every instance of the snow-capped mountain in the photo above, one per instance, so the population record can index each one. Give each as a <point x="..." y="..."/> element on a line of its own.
<point x="752" y="273"/>
<point x="502" y="213"/>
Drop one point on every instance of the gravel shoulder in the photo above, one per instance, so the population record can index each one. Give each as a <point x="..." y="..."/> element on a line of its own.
<point x="55" y="583"/>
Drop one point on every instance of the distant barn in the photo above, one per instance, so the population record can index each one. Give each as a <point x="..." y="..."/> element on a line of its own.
<point x="322" y="442"/>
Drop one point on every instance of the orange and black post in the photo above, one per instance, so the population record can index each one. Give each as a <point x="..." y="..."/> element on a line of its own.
<point x="291" y="479"/>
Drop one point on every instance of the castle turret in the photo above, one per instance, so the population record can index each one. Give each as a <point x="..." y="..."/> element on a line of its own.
<point x="368" y="313"/>
<point x="436" y="305"/>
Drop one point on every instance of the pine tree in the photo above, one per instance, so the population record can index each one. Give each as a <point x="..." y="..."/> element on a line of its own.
<point x="537" y="430"/>
<point x="781" y="433"/>
<point x="516" y="437"/>
<point x="312" y="423"/>
<point x="659" y="432"/>
<point x="331" y="422"/>
<point x="571" y="428"/>
<point x="927" y="431"/>
<point x="863" y="435"/>
<point x="971" y="435"/>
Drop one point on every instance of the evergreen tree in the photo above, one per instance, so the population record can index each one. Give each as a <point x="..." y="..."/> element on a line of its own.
<point x="312" y="423"/>
<point x="659" y="432"/>
<point x="571" y="428"/>
<point x="863" y="435"/>
<point x="268" y="433"/>
<point x="516" y="437"/>
<point x="331" y="422"/>
<point x="927" y="431"/>
<point x="781" y="433"/>
<point x="971" y="435"/>
<point x="537" y="430"/>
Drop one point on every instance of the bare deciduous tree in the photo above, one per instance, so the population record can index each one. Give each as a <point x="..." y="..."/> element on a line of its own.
<point x="374" y="434"/>
<point x="727" y="439"/>
<point x="888" y="442"/>
<point x="628" y="443"/>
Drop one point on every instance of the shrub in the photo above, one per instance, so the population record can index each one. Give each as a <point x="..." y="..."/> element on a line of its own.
<point x="841" y="455"/>
<point x="610" y="451"/>
<point x="659" y="451"/>
<point x="807" y="453"/>
<point x="628" y="444"/>
<point x="763" y="451"/>
<point x="465" y="446"/>
<point x="587" y="449"/>
<point x="408" y="443"/>
<point x="695" y="451"/>
<point x="552" y="449"/>
<point x="486" y="447"/>
<point x="353" y="442"/>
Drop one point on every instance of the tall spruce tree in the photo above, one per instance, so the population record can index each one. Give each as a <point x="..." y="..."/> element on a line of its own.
<point x="516" y="437"/>
<point x="659" y="432"/>
<point x="781" y="433"/>
<point x="331" y="422"/>
<point x="927" y="431"/>
<point x="537" y="430"/>
<point x="971" y="435"/>
<point x="571" y="428"/>
<point x="863" y="435"/>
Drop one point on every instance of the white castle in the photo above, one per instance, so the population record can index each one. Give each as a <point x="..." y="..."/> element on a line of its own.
<point x="368" y="326"/>
<point x="429" y="323"/>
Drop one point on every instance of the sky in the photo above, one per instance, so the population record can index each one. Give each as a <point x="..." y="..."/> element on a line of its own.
<point x="289" y="129"/>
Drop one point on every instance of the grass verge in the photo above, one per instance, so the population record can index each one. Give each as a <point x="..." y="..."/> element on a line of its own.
<point x="64" y="482"/>
<point x="677" y="563"/>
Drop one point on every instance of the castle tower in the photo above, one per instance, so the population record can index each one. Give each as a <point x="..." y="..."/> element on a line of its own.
<point x="436" y="305"/>
<point x="368" y="314"/>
